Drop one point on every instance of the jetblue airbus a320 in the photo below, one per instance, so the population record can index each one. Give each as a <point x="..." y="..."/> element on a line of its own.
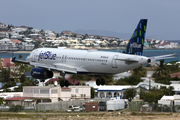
<point x="90" y="62"/>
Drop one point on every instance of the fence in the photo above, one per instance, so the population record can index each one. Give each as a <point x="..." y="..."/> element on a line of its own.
<point x="160" y="108"/>
<point x="64" y="105"/>
<point x="4" y="108"/>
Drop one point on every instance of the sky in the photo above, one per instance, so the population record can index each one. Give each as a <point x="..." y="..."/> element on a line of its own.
<point x="113" y="15"/>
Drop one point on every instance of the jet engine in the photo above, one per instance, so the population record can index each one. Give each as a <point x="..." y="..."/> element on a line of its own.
<point x="40" y="73"/>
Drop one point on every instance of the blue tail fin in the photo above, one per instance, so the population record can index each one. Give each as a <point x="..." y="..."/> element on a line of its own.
<point x="136" y="43"/>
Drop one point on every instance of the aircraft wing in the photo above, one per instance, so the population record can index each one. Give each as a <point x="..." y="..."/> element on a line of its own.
<point x="162" y="57"/>
<point x="54" y="67"/>
<point x="20" y="61"/>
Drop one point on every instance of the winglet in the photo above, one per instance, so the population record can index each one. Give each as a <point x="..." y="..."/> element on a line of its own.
<point x="13" y="59"/>
<point x="174" y="55"/>
<point x="136" y="43"/>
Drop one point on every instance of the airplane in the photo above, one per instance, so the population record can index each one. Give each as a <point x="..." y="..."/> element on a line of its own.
<point x="90" y="62"/>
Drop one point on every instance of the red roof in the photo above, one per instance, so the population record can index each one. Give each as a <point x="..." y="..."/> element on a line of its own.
<point x="14" y="40"/>
<point x="175" y="74"/>
<point x="17" y="98"/>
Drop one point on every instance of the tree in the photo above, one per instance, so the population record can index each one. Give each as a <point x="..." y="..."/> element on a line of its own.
<point x="92" y="92"/>
<point x="1" y="100"/>
<point x="161" y="70"/>
<point x="108" y="79"/>
<point x="20" y="57"/>
<point x="163" y="80"/>
<point x="174" y="67"/>
<point x="132" y="80"/>
<point x="155" y="94"/>
<point x="140" y="72"/>
<point x="5" y="75"/>
<point x="1" y="61"/>
<point x="130" y="93"/>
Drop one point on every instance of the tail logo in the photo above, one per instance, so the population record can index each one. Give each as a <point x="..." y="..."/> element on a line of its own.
<point x="135" y="45"/>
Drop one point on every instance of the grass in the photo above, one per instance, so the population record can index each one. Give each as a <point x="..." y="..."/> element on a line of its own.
<point x="81" y="115"/>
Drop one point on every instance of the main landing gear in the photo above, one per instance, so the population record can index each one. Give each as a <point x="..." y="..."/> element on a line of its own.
<point x="64" y="82"/>
<point x="100" y="82"/>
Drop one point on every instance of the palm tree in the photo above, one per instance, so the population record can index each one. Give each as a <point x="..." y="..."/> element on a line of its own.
<point x="174" y="67"/>
<point x="161" y="70"/>
<point x="20" y="57"/>
<point x="140" y="72"/>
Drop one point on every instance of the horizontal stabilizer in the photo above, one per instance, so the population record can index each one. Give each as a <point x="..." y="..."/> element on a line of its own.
<point x="163" y="57"/>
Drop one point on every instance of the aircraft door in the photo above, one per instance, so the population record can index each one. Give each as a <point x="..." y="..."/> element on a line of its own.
<point x="114" y="64"/>
<point x="34" y="56"/>
<point x="64" y="58"/>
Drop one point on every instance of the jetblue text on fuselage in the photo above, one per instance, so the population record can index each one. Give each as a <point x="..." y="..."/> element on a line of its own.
<point x="135" y="45"/>
<point x="47" y="55"/>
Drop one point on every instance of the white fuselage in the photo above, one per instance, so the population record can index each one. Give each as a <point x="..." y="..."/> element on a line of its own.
<point x="87" y="61"/>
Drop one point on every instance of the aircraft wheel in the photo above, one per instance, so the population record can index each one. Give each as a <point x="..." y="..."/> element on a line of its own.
<point x="42" y="80"/>
<point x="102" y="82"/>
<point x="98" y="82"/>
<point x="66" y="83"/>
<point x="62" y="83"/>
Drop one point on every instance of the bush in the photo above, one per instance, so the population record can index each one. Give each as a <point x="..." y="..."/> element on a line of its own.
<point x="16" y="108"/>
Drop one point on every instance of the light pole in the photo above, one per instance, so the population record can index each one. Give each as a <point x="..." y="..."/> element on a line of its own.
<point x="149" y="75"/>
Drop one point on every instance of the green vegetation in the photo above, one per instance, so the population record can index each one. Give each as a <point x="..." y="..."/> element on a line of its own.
<point x="16" y="108"/>
<point x="10" y="76"/>
<point x="108" y="79"/>
<point x="132" y="80"/>
<point x="140" y="72"/>
<point x="1" y="100"/>
<point x="155" y="94"/>
<point x="164" y="70"/>
<point x="130" y="93"/>
<point x="92" y="92"/>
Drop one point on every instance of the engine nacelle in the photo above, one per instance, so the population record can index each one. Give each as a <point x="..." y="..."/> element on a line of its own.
<point x="40" y="73"/>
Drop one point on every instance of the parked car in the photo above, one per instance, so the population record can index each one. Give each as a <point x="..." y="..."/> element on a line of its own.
<point x="102" y="106"/>
<point x="73" y="107"/>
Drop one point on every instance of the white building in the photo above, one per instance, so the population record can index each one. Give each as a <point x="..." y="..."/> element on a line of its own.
<point x="19" y="29"/>
<point x="108" y="91"/>
<point x="35" y="31"/>
<point x="55" y="94"/>
<point x="7" y="44"/>
<point x="49" y="34"/>
<point x="4" y="34"/>
<point x="2" y="25"/>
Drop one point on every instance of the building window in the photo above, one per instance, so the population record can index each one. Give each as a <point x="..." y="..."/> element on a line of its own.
<point x="77" y="90"/>
<point x="44" y="91"/>
<point x="36" y="90"/>
<point x="28" y="90"/>
<point x="53" y="91"/>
